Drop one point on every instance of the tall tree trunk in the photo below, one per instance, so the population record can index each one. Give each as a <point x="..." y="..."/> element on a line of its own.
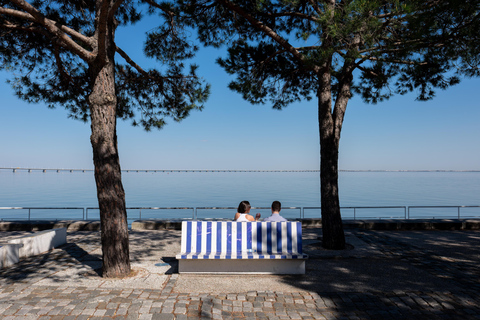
<point x="110" y="192"/>
<point x="103" y="112"/>
<point x="332" y="226"/>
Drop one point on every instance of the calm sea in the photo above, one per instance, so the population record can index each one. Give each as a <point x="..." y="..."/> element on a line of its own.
<point x="404" y="191"/>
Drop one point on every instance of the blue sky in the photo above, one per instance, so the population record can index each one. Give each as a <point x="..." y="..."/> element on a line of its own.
<point x="399" y="134"/>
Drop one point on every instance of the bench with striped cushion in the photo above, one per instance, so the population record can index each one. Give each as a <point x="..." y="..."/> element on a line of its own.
<point x="241" y="247"/>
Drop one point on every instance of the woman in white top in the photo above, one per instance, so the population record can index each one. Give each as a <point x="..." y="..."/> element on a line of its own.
<point x="243" y="211"/>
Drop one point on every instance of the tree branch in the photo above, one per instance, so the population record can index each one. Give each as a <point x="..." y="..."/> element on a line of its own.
<point x="156" y="5"/>
<point x="293" y="14"/>
<point x="315" y="7"/>
<point x="33" y="29"/>
<point x="366" y="70"/>
<point x="54" y="28"/>
<point x="61" y="69"/>
<point x="130" y="61"/>
<point x="409" y="62"/>
<point x="344" y="94"/>
<point x="102" y="16"/>
<point x="114" y="8"/>
<point x="263" y="28"/>
<point x="145" y="73"/>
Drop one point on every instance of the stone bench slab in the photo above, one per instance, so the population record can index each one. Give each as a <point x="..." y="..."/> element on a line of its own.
<point x="39" y="242"/>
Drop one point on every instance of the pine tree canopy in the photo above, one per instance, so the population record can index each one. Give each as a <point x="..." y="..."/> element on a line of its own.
<point x="51" y="45"/>
<point x="278" y="49"/>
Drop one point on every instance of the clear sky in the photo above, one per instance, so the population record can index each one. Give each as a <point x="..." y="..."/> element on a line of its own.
<point x="400" y="134"/>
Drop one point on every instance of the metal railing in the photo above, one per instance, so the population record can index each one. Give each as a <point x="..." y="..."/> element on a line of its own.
<point x="42" y="208"/>
<point x="356" y="208"/>
<point x="440" y="207"/>
<point x="149" y="208"/>
<point x="253" y="208"/>
<point x="194" y="211"/>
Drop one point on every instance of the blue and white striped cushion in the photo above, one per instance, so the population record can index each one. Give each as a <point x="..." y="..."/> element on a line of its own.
<point x="241" y="240"/>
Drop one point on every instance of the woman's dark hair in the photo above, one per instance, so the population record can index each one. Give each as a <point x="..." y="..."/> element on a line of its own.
<point x="244" y="206"/>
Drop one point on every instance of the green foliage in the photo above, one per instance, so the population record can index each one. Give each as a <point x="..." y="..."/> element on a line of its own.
<point x="276" y="76"/>
<point x="278" y="49"/>
<point x="175" y="94"/>
<point x="46" y="70"/>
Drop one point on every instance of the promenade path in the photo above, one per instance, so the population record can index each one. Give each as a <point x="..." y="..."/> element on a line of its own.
<point x="382" y="275"/>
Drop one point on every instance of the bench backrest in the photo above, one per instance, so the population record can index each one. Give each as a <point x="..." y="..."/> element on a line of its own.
<point x="230" y="236"/>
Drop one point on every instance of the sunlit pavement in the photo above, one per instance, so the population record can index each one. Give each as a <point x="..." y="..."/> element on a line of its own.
<point x="381" y="275"/>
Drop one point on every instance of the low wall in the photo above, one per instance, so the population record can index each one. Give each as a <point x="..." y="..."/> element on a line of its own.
<point x="382" y="224"/>
<point x="39" y="225"/>
<point x="39" y="242"/>
<point x="30" y="245"/>
<point x="9" y="254"/>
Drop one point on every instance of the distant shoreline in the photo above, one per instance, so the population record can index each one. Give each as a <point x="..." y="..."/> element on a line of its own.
<point x="15" y="169"/>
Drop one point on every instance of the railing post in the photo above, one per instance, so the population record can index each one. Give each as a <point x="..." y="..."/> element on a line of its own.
<point x="140" y="211"/>
<point x="458" y="212"/>
<point x="29" y="214"/>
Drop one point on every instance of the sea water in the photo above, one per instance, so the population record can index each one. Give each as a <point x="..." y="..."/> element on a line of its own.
<point x="363" y="195"/>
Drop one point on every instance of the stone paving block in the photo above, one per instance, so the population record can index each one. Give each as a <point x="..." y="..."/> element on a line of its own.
<point x="74" y="302"/>
<point x="122" y="311"/>
<point x="163" y="316"/>
<point x="110" y="312"/>
<point x="167" y="309"/>
<point x="180" y="310"/>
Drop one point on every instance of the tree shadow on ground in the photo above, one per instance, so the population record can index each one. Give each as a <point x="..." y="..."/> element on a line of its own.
<point x="414" y="275"/>
<point x="48" y="264"/>
<point x="156" y="247"/>
<point x="83" y="252"/>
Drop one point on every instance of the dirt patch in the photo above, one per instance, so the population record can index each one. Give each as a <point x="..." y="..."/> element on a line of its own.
<point x="97" y="274"/>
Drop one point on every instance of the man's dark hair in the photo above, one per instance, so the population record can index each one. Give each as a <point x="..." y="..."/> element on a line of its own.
<point x="276" y="206"/>
<point x="243" y="207"/>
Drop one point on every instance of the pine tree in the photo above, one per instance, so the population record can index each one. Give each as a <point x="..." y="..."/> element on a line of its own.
<point x="65" y="54"/>
<point x="282" y="51"/>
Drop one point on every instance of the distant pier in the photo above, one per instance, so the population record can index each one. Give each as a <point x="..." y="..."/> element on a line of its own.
<point x="149" y="170"/>
<point x="213" y="170"/>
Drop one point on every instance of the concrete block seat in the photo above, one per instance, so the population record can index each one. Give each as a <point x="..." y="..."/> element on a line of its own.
<point x="30" y="245"/>
<point x="241" y="247"/>
<point x="9" y="254"/>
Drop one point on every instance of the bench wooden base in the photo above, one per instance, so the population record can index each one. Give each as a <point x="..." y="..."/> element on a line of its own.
<point x="240" y="266"/>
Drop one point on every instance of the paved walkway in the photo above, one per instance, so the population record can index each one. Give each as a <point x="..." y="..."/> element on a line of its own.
<point x="382" y="275"/>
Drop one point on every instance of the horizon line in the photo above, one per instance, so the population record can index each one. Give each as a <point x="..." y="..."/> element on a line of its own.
<point x="29" y="169"/>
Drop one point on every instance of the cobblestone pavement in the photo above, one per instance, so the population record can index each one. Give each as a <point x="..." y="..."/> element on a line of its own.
<point x="383" y="275"/>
